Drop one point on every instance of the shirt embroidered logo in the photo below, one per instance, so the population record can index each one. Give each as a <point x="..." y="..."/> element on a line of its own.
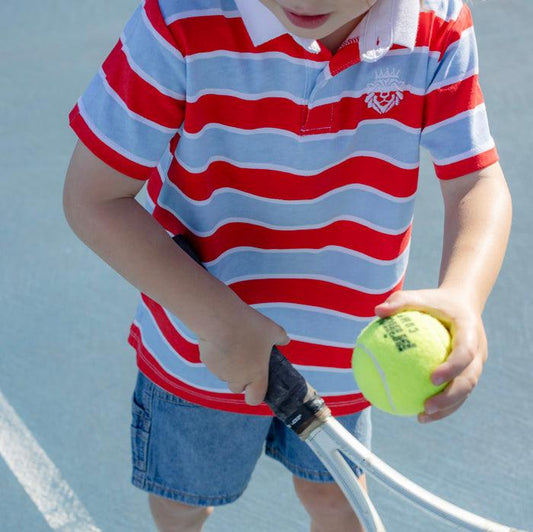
<point x="386" y="91"/>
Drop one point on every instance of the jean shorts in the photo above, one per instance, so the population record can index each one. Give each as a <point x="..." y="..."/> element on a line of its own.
<point x="205" y="457"/>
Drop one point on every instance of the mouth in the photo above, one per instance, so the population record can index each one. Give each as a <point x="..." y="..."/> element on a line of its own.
<point x="306" y="21"/>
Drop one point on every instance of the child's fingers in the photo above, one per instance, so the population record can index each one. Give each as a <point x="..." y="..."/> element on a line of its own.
<point x="465" y="350"/>
<point x="441" y="414"/>
<point x="422" y="300"/>
<point x="255" y="392"/>
<point x="455" y="394"/>
<point x="401" y="300"/>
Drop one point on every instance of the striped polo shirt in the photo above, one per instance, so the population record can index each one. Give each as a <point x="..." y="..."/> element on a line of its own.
<point x="293" y="171"/>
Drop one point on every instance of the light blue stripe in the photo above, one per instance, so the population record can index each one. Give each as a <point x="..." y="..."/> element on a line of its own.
<point x="459" y="59"/>
<point x="199" y="376"/>
<point x="310" y="156"/>
<point x="412" y="69"/>
<point x="335" y="265"/>
<point x="359" y="205"/>
<point x="114" y="121"/>
<point x="153" y="57"/>
<point x="262" y="74"/>
<point x="332" y="382"/>
<point x="313" y="325"/>
<point x="170" y="8"/>
<point x="459" y="136"/>
<point x="326" y="328"/>
<point x="241" y="73"/>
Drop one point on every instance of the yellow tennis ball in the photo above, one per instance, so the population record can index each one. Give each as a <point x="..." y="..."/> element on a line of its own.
<point x="394" y="358"/>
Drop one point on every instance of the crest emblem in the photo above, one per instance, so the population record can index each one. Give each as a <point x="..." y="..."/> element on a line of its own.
<point x="386" y="91"/>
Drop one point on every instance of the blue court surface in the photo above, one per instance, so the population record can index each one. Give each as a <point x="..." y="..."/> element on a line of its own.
<point x="66" y="372"/>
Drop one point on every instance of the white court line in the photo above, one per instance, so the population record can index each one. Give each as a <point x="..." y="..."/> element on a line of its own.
<point x="39" y="476"/>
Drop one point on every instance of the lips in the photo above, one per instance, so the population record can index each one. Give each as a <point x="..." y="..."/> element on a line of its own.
<point x="306" y="21"/>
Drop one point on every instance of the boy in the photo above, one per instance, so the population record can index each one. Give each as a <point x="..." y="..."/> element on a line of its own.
<point x="282" y="138"/>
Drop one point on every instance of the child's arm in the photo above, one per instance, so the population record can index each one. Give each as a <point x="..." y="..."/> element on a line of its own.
<point x="235" y="340"/>
<point x="476" y="230"/>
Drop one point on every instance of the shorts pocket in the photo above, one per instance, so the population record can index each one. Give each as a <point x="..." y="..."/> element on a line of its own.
<point x="140" y="434"/>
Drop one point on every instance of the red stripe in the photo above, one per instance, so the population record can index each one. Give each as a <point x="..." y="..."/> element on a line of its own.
<point x="467" y="166"/>
<point x="349" y="235"/>
<point x="148" y="365"/>
<point x="446" y="102"/>
<point x="437" y="33"/>
<point x="103" y="151"/>
<point x="204" y="34"/>
<point x="456" y="27"/>
<point x="361" y="170"/>
<point x="187" y="350"/>
<point x="138" y="95"/>
<point x="346" y="56"/>
<point x="281" y="113"/>
<point x="311" y="292"/>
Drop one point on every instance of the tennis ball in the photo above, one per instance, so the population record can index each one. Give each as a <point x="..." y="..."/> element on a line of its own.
<point x="394" y="358"/>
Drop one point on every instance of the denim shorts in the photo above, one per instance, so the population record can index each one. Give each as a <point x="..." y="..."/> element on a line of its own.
<point x="205" y="457"/>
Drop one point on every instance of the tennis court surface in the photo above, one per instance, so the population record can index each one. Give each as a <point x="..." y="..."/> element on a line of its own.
<point x="66" y="373"/>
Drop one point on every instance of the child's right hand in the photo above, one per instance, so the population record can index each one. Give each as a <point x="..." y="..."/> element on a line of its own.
<point x="240" y="356"/>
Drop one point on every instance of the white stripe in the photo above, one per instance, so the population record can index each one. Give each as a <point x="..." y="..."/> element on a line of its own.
<point x="296" y="171"/>
<point x="297" y="137"/>
<point x="113" y="145"/>
<point x="39" y="476"/>
<point x="466" y="155"/>
<point x="227" y="221"/>
<point x="459" y="116"/>
<point x="146" y="77"/>
<point x="192" y="98"/>
<point x="131" y="114"/>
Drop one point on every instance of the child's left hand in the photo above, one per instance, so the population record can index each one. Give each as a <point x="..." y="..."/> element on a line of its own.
<point x="465" y="363"/>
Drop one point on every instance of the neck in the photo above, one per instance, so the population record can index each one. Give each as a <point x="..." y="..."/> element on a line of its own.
<point x="334" y="40"/>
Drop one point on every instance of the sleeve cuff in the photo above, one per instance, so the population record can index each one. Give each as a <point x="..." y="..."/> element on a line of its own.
<point x="106" y="154"/>
<point x="467" y="166"/>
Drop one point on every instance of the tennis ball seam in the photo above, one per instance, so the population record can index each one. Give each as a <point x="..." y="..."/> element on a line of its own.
<point x="381" y="374"/>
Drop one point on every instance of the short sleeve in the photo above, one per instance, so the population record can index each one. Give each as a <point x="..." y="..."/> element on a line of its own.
<point x="456" y="130"/>
<point x="134" y="105"/>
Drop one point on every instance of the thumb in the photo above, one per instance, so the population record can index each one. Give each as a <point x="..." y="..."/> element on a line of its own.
<point x="401" y="300"/>
<point x="283" y="338"/>
<point x="255" y="392"/>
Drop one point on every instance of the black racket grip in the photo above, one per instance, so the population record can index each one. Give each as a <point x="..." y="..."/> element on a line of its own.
<point x="289" y="395"/>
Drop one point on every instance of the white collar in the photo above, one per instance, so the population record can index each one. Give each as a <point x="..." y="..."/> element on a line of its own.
<point x="386" y="23"/>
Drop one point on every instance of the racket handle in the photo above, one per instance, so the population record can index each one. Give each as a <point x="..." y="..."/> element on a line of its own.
<point x="289" y="395"/>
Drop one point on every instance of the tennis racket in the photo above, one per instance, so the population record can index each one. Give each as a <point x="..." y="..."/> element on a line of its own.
<point x="301" y="409"/>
